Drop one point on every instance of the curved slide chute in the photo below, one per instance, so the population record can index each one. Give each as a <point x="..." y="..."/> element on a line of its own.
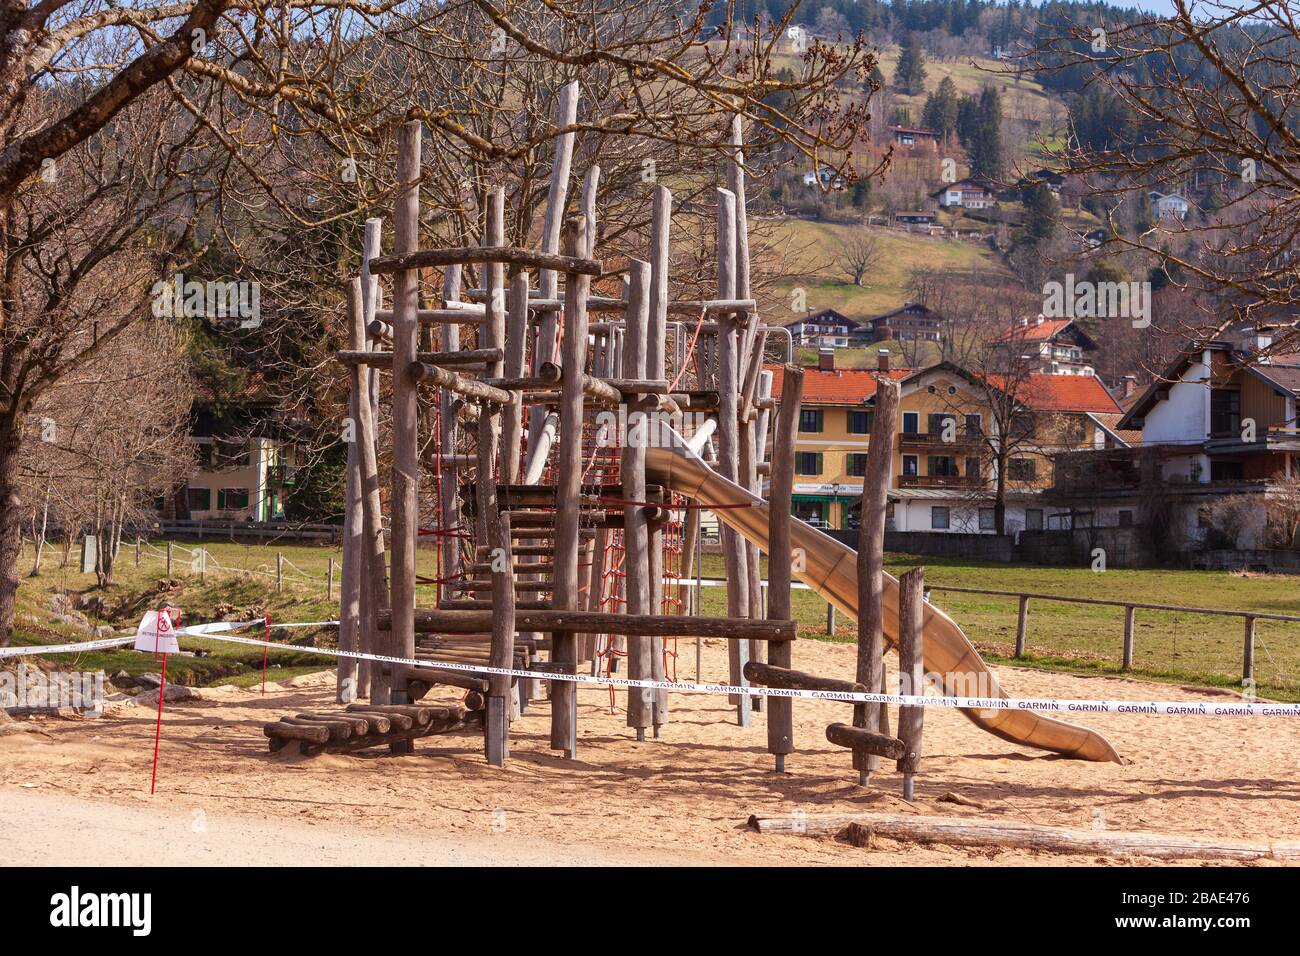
<point x="830" y="569"/>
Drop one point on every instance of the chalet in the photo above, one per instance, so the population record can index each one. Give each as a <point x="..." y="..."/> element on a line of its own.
<point x="915" y="218"/>
<point x="1059" y="345"/>
<point x="972" y="193"/>
<point x="907" y="136"/>
<point x="824" y="329"/>
<point x="912" y="322"/>
<point x="1217" y="426"/>
<point x="1168" y="205"/>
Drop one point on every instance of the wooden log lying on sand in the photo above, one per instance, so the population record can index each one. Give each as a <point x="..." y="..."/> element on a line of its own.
<point x="865" y="741"/>
<point x="286" y="731"/>
<point x="965" y="831"/>
<point x="769" y="675"/>
<point x="362" y="724"/>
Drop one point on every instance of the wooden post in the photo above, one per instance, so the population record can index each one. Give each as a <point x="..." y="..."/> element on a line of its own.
<point x="1022" y="621"/>
<point x="404" y="496"/>
<point x="448" y="502"/>
<point x="656" y="367"/>
<point x="375" y="680"/>
<point x="513" y="367"/>
<point x="1130" y="612"/>
<point x="830" y="619"/>
<point x="564" y="702"/>
<point x="911" y="671"/>
<point x="502" y="652"/>
<point x="279" y="571"/>
<point x="352" y="607"/>
<point x="169" y="559"/>
<point x="1248" y="652"/>
<point x="733" y="545"/>
<point x="329" y="581"/>
<point x="367" y="386"/>
<point x="547" y="280"/>
<point x="871" y="569"/>
<point x="137" y="550"/>
<point x="780" y="560"/>
<point x="636" y="542"/>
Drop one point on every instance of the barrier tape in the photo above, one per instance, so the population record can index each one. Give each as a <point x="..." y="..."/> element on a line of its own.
<point x="218" y="631"/>
<point x="35" y="649"/>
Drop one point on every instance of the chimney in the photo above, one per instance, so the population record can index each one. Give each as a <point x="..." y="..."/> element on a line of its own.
<point x="826" y="360"/>
<point x="1039" y="320"/>
<point x="882" y="360"/>
<point x="1130" y="385"/>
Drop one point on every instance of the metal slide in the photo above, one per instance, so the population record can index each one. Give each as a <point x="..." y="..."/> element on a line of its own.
<point x="830" y="569"/>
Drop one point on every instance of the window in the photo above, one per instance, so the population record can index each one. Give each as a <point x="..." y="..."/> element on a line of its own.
<point x="205" y="454"/>
<point x="1225" y="471"/>
<point x="939" y="518"/>
<point x="1126" y="519"/>
<point x="1033" y="519"/>
<point x="810" y="420"/>
<point x="232" y="499"/>
<point x="939" y="421"/>
<point x="809" y="463"/>
<point x="229" y="454"/>
<point x="909" y="465"/>
<point x="1225" y="412"/>
<point x="973" y="469"/>
<point x="974" y="426"/>
<point x="200" y="499"/>
<point x="911" y="423"/>
<point x="942" y="465"/>
<point x="860" y="423"/>
<point x="988" y="519"/>
<point x="855" y="464"/>
<point x="1021" y="469"/>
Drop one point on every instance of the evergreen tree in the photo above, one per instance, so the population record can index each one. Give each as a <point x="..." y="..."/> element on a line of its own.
<point x="1041" y="210"/>
<point x="985" y="148"/>
<point x="940" y="112"/>
<point x="909" y="75"/>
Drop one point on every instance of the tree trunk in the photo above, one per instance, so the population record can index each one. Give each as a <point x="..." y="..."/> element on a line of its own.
<point x="38" y="539"/>
<point x="1000" y="495"/>
<point x="10" y="523"/>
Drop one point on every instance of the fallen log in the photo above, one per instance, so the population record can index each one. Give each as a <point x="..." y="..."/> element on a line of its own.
<point x="397" y="721"/>
<point x="967" y="831"/>
<point x="287" y="731"/>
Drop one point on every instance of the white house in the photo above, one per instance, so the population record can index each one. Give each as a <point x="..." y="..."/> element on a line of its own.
<point x="1168" y="205"/>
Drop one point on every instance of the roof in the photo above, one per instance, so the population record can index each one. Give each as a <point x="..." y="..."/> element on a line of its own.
<point x="824" y="314"/>
<point x="971" y="182"/>
<point x="915" y="212"/>
<point x="1046" y="393"/>
<point x="1048" y="329"/>
<point x="1109" y="421"/>
<point x="911" y="129"/>
<point x="1068" y="393"/>
<point x="913" y="309"/>
<point x="837" y="387"/>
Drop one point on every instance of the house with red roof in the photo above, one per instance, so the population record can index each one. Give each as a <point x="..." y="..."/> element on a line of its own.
<point x="1059" y="346"/>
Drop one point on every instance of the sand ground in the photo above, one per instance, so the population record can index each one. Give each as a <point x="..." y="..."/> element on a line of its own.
<point x="78" y="791"/>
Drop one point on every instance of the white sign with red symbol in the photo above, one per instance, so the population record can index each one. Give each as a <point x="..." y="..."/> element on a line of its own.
<point x="157" y="631"/>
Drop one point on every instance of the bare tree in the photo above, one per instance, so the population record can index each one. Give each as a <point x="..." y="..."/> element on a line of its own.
<point x="860" y="255"/>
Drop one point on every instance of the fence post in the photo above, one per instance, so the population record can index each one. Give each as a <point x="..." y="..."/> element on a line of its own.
<point x="279" y="571"/>
<point x="1248" y="651"/>
<point x="1022" y="620"/>
<point x="203" y="564"/>
<point x="1130" y="612"/>
<point x="137" y="550"/>
<point x="169" y="559"/>
<point x="329" y="582"/>
<point x="830" y="619"/>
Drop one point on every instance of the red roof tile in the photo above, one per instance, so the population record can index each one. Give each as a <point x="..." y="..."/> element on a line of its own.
<point x="839" y="387"/>
<point x="1067" y="393"/>
<point x="1037" y="333"/>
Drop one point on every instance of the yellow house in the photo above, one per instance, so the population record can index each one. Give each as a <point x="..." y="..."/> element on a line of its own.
<point x="943" y="475"/>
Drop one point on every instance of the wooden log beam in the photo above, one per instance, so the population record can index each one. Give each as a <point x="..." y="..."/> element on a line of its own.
<point x="967" y="831"/>
<point x="866" y="742"/>
<point x="385" y="359"/>
<point x="300" y="731"/>
<point x="771" y="675"/>
<point x="507" y="255"/>
<point x="456" y="621"/>
<point x="469" y="387"/>
<point x="911" y="671"/>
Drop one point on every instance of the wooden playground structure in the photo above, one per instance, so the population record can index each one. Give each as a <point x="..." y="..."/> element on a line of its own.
<point x="533" y="412"/>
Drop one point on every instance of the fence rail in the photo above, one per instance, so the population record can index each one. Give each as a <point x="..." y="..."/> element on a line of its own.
<point x="253" y="529"/>
<point x="1130" y="616"/>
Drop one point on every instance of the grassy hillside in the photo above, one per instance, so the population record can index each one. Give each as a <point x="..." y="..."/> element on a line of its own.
<point x="813" y="249"/>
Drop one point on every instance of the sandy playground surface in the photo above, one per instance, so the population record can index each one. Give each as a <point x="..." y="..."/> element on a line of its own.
<point x="77" y="792"/>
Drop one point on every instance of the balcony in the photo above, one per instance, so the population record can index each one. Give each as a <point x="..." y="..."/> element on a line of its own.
<point x="938" y="481"/>
<point x="281" y="476"/>
<point x="931" y="442"/>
